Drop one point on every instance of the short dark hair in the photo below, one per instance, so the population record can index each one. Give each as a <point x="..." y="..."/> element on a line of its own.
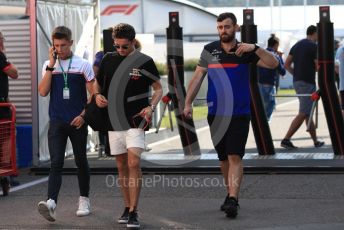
<point x="311" y="30"/>
<point x="226" y="15"/>
<point x="62" y="32"/>
<point x="124" y="30"/>
<point x="273" y="40"/>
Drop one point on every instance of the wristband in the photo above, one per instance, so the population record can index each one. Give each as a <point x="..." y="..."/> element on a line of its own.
<point x="49" y="68"/>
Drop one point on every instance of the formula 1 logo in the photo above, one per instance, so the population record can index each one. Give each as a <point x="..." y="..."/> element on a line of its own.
<point x="119" y="9"/>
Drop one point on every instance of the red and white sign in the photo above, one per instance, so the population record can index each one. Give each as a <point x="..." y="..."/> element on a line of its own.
<point x="126" y="11"/>
<point x="119" y="9"/>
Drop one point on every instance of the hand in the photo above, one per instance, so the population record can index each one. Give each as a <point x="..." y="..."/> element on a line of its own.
<point x="279" y="53"/>
<point x="101" y="101"/>
<point x="188" y="111"/>
<point x="78" y="122"/>
<point x="244" y="48"/>
<point x="146" y="113"/>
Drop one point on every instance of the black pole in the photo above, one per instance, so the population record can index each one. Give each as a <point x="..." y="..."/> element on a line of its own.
<point x="175" y="63"/>
<point x="259" y="121"/>
<point x="328" y="90"/>
<point x="108" y="41"/>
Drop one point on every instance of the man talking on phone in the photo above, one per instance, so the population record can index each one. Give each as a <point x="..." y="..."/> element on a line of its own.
<point x="66" y="78"/>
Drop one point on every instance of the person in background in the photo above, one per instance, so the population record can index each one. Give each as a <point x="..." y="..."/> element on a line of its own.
<point x="267" y="78"/>
<point x="7" y="69"/>
<point x="336" y="74"/>
<point x="303" y="56"/>
<point x="340" y="71"/>
<point x="102" y="135"/>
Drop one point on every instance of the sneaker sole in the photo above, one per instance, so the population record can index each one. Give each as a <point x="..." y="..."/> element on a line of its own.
<point x="319" y="146"/>
<point x="82" y="214"/>
<point x="232" y="212"/>
<point x="122" y="221"/>
<point x="44" y="211"/>
<point x="288" y="147"/>
<point x="133" y="226"/>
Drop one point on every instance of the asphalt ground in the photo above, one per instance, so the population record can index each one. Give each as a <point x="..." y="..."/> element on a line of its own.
<point x="188" y="201"/>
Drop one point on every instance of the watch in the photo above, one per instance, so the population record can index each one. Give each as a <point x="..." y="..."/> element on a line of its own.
<point x="255" y="47"/>
<point x="49" y="68"/>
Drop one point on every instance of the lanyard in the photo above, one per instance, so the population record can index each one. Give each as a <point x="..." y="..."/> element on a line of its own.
<point x="65" y="74"/>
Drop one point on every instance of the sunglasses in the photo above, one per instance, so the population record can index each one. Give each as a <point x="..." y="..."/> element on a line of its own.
<point x="125" y="47"/>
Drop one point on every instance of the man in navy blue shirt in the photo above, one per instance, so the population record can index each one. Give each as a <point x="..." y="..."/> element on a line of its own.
<point x="66" y="78"/>
<point x="304" y="57"/>
<point x="227" y="63"/>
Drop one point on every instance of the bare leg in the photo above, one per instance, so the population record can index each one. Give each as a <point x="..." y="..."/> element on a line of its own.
<point x="235" y="174"/>
<point x="123" y="175"/>
<point x="224" y="170"/>
<point x="135" y="176"/>
<point x="312" y="130"/>
<point x="295" y="125"/>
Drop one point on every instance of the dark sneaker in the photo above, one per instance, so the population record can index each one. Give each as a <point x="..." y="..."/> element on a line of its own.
<point x="232" y="208"/>
<point x="133" y="222"/>
<point x="319" y="144"/>
<point x="124" y="218"/>
<point x="5" y="185"/>
<point x="225" y="203"/>
<point x="285" y="143"/>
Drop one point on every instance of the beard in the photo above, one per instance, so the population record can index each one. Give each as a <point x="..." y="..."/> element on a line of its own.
<point x="226" y="38"/>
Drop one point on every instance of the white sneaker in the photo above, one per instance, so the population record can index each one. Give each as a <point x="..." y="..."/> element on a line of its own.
<point x="84" y="206"/>
<point x="47" y="209"/>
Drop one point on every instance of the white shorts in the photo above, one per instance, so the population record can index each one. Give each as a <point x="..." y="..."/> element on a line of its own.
<point x="120" y="141"/>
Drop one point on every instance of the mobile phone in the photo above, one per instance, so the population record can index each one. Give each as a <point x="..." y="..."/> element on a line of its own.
<point x="55" y="54"/>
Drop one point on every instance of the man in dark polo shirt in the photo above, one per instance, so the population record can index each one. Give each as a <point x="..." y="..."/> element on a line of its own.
<point x="304" y="57"/>
<point x="227" y="63"/>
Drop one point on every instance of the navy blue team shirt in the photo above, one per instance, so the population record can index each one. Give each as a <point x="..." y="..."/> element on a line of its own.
<point x="228" y="80"/>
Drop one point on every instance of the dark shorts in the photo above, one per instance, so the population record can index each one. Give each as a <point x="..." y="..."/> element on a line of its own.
<point x="229" y="135"/>
<point x="342" y="98"/>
